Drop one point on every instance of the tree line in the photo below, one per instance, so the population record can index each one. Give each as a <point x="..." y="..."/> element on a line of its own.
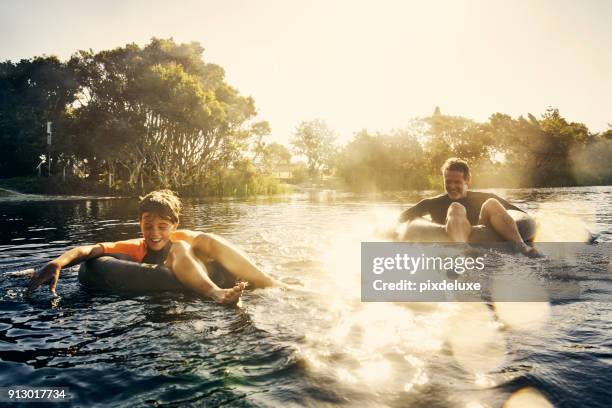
<point x="503" y="152"/>
<point x="128" y="120"/>
<point x="134" y="118"/>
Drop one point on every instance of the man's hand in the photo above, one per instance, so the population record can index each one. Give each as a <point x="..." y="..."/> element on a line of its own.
<point x="48" y="273"/>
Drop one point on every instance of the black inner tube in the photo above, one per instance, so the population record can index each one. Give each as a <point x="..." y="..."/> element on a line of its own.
<point x="116" y="273"/>
<point x="422" y="230"/>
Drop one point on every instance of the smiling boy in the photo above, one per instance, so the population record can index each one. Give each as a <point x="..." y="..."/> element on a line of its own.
<point x="182" y="251"/>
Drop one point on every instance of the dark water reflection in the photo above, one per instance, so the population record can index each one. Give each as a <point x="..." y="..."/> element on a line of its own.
<point x="315" y="346"/>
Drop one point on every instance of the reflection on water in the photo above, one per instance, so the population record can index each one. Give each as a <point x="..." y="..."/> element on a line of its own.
<point x="527" y="397"/>
<point x="316" y="345"/>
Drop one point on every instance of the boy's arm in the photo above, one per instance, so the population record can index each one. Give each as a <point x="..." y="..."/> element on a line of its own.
<point x="51" y="271"/>
<point x="232" y="258"/>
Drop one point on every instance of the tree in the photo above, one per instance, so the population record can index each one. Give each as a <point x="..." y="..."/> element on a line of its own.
<point x="275" y="157"/>
<point x="32" y="92"/>
<point x="159" y="115"/>
<point x="383" y="162"/>
<point x="538" y="151"/>
<point x="455" y="136"/>
<point x="315" y="141"/>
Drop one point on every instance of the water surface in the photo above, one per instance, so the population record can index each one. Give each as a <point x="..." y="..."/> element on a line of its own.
<point x="318" y="346"/>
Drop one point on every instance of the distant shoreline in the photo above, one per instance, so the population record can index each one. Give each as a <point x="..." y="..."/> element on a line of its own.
<point x="40" y="187"/>
<point x="6" y="191"/>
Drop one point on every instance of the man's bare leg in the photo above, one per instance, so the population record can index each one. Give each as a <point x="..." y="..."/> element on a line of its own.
<point x="458" y="227"/>
<point x="191" y="273"/>
<point x="494" y="215"/>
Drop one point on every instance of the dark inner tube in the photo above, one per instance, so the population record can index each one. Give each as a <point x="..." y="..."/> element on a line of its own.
<point x="422" y="230"/>
<point x="115" y="273"/>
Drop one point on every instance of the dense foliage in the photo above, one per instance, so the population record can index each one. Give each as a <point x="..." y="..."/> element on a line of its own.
<point x="503" y="152"/>
<point x="131" y="119"/>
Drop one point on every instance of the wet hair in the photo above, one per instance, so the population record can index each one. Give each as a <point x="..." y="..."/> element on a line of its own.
<point x="456" y="164"/>
<point x="163" y="203"/>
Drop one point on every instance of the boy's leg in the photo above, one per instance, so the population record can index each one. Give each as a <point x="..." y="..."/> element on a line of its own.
<point x="191" y="273"/>
<point x="233" y="259"/>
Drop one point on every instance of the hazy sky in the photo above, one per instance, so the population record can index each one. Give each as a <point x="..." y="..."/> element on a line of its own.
<point x="358" y="64"/>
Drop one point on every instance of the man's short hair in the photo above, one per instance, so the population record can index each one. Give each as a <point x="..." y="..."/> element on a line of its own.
<point x="456" y="164"/>
<point x="163" y="203"/>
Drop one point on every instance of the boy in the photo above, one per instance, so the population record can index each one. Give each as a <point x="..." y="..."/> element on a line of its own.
<point x="162" y="243"/>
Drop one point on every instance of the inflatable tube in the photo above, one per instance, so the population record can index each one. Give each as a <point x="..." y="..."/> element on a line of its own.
<point x="421" y="230"/>
<point x="115" y="273"/>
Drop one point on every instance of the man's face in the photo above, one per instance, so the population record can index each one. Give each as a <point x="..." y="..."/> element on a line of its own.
<point x="456" y="184"/>
<point x="156" y="230"/>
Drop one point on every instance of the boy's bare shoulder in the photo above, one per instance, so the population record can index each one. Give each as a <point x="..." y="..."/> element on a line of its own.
<point x="125" y="242"/>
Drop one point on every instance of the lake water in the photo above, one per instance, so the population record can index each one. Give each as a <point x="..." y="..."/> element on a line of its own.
<point x="317" y="346"/>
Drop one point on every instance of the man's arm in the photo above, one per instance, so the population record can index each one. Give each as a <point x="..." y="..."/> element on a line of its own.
<point x="232" y="258"/>
<point x="51" y="271"/>
<point x="418" y="210"/>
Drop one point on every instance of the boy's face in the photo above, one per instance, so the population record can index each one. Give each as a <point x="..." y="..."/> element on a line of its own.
<point x="156" y="230"/>
<point x="456" y="184"/>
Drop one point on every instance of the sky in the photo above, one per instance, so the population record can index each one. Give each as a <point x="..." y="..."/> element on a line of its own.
<point x="358" y="64"/>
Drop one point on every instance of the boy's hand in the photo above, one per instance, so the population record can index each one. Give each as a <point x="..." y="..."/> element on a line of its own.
<point x="48" y="273"/>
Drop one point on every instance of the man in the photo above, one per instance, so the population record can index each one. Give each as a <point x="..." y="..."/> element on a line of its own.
<point x="459" y="209"/>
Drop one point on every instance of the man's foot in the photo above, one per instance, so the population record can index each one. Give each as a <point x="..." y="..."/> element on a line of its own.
<point x="469" y="250"/>
<point x="229" y="296"/>
<point x="529" y="251"/>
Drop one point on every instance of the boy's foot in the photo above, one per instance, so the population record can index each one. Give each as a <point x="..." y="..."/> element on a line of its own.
<point x="229" y="296"/>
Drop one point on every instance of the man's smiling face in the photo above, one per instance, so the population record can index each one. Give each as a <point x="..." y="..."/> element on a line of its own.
<point x="456" y="184"/>
<point x="156" y="230"/>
